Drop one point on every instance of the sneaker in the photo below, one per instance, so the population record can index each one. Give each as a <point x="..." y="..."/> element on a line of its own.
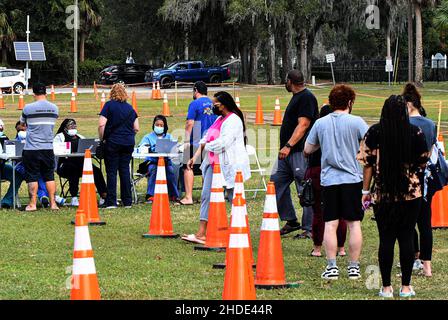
<point x="407" y="294"/>
<point x="330" y="273"/>
<point x="60" y="201"/>
<point x="128" y="207"/>
<point x="149" y="199"/>
<point x="354" y="272"/>
<point x="45" y="201"/>
<point x="418" y="265"/>
<point x="388" y="295"/>
<point x="111" y="207"/>
<point x="75" y="202"/>
<point x="101" y="202"/>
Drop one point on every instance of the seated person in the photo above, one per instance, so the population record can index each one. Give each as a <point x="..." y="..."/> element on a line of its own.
<point x="42" y="193"/>
<point x="160" y="129"/>
<point x="6" y="173"/>
<point x="72" y="168"/>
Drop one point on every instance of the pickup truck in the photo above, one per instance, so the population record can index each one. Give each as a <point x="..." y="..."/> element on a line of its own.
<point x="187" y="71"/>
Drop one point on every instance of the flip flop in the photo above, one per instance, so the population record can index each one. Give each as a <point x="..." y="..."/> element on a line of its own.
<point x="192" y="238"/>
<point x="180" y="203"/>
<point x="314" y="255"/>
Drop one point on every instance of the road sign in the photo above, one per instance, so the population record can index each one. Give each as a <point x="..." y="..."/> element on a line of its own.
<point x="330" y="58"/>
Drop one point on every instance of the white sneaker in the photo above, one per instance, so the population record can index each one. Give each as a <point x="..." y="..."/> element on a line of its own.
<point x="101" y="202"/>
<point x="330" y="273"/>
<point x="418" y="265"/>
<point x="75" y="202"/>
<point x="387" y="295"/>
<point x="60" y="201"/>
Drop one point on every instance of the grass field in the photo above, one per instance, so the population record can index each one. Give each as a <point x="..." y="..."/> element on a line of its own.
<point x="36" y="249"/>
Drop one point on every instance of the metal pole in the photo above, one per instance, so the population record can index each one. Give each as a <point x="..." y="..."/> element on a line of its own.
<point x="332" y="73"/>
<point x="28" y="42"/>
<point x="175" y="85"/>
<point x="75" y="44"/>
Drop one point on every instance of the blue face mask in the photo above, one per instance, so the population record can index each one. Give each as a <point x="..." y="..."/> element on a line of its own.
<point x="159" y="130"/>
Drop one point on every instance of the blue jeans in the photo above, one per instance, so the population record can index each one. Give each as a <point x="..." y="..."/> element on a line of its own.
<point x="171" y="179"/>
<point x="6" y="174"/>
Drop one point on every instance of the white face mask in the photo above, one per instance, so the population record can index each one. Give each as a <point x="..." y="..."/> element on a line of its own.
<point x="72" y="132"/>
<point x="159" y="130"/>
<point x="22" y="135"/>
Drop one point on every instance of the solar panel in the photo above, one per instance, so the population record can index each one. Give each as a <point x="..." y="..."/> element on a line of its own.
<point x="30" y="51"/>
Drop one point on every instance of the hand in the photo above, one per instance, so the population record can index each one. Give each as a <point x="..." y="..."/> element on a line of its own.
<point x="366" y="198"/>
<point x="190" y="163"/>
<point x="284" y="152"/>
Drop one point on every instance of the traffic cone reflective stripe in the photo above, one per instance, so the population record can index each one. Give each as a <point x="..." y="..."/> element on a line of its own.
<point x="277" y="114"/>
<point x="84" y="278"/>
<point x="259" y="118"/>
<point x="166" y="106"/>
<point x="160" y="224"/>
<point x="73" y="104"/>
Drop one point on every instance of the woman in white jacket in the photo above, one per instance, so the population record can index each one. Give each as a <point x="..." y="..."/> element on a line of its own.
<point x="225" y="143"/>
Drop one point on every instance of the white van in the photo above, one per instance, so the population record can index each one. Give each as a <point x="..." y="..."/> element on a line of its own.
<point x="12" y="78"/>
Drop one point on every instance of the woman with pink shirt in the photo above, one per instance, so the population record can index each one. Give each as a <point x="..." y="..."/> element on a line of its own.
<point x="225" y="143"/>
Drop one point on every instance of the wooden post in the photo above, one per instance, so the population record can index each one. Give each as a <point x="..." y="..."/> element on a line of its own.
<point x="175" y="86"/>
<point x="440" y="118"/>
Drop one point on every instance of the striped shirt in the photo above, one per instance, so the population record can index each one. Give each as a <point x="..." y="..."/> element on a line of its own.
<point x="40" y="118"/>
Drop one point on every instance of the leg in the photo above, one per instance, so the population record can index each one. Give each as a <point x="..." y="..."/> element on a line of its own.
<point x="282" y="178"/>
<point x="188" y="181"/>
<point x="125" y="175"/>
<point x="426" y="237"/>
<point x="355" y="240"/>
<point x="41" y="189"/>
<point x="7" y="175"/>
<point x="171" y="181"/>
<point x="330" y="239"/>
<point x="152" y="174"/>
<point x="318" y="225"/>
<point x="111" y="161"/>
<point x="99" y="182"/>
<point x="205" y="201"/>
<point x="307" y="219"/>
<point x="51" y="187"/>
<point x="32" y="190"/>
<point x="342" y="236"/>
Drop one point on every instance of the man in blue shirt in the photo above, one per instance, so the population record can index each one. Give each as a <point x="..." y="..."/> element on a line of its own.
<point x="200" y="117"/>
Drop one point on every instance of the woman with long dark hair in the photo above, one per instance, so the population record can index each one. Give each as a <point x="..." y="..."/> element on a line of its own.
<point x="225" y="143"/>
<point x="394" y="153"/>
<point x="417" y="116"/>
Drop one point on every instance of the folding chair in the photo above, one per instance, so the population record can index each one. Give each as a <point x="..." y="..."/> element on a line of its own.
<point x="64" y="187"/>
<point x="259" y="170"/>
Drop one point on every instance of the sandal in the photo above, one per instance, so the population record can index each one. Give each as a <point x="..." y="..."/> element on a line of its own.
<point x="303" y="235"/>
<point x="315" y="255"/>
<point x="287" y="228"/>
<point x="180" y="203"/>
<point x="192" y="238"/>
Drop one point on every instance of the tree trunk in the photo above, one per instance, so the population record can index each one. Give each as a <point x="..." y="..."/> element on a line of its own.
<point x="310" y="47"/>
<point x="418" y="46"/>
<point x="186" y="43"/>
<point x="4" y="55"/>
<point x="410" y="42"/>
<point x="388" y="53"/>
<point x="286" y="54"/>
<point x="253" y="63"/>
<point x="303" y="56"/>
<point x="271" y="57"/>
<point x="82" y="46"/>
<point x="244" y="53"/>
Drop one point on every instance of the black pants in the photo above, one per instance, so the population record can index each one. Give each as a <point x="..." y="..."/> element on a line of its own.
<point x="72" y="171"/>
<point x="118" y="158"/>
<point x="396" y="221"/>
<point x="425" y="231"/>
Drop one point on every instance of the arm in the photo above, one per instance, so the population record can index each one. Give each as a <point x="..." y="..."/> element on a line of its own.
<point x="136" y="126"/>
<point x="188" y="129"/>
<point x="310" y="148"/>
<point x="230" y="130"/>
<point x="101" y="126"/>
<point x="299" y="132"/>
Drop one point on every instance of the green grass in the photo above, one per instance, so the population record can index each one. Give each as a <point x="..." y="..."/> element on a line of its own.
<point x="36" y="249"/>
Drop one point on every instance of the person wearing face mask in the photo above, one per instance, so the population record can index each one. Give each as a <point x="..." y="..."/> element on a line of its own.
<point x="160" y="131"/>
<point x="224" y="143"/>
<point x="6" y="172"/>
<point x="71" y="168"/>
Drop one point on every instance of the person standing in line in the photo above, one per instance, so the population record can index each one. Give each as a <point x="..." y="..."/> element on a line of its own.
<point x="118" y="125"/>
<point x="38" y="156"/>
<point x="394" y="153"/>
<point x="338" y="136"/>
<point x="291" y="165"/>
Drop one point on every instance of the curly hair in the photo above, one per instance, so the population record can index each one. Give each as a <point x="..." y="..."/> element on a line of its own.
<point x="340" y="97"/>
<point x="118" y="93"/>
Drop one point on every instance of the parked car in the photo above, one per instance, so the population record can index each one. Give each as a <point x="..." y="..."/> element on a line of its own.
<point x="124" y="73"/>
<point x="12" y="78"/>
<point x="187" y="71"/>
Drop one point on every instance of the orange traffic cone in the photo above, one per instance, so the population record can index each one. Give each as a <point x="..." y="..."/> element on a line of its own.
<point x="84" y="282"/>
<point x="95" y="90"/>
<point x="134" y="101"/>
<point x="153" y="91"/>
<point x="158" y="92"/>
<point x="160" y="225"/>
<point x="239" y="279"/>
<point x="53" y="96"/>
<point x="73" y="104"/>
<point x="237" y="102"/>
<point x="277" y="114"/>
<point x="259" y="119"/>
<point x="439" y="208"/>
<point x="75" y="89"/>
<point x="87" y="198"/>
<point x="441" y="143"/>
<point x="103" y="101"/>
<point x="21" y="101"/>
<point x="166" y="106"/>
<point x="2" y="102"/>
<point x="217" y="236"/>
<point x="270" y="268"/>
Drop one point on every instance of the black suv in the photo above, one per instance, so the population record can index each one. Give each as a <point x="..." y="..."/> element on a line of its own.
<point x="124" y="73"/>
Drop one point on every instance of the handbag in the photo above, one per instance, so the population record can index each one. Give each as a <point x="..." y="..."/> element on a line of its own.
<point x="100" y="152"/>
<point x="306" y="193"/>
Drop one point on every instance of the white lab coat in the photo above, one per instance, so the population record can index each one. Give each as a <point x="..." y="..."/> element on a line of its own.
<point x="231" y="149"/>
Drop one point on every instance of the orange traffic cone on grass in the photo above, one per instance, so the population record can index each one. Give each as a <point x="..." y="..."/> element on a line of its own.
<point x="84" y="282"/>
<point x="87" y="198"/>
<point x="239" y="279"/>
<point x="53" y="96"/>
<point x="158" y="92"/>
<point x="2" y="101"/>
<point x="166" y="106"/>
<point x="160" y="225"/>
<point x="21" y="101"/>
<point x="73" y="104"/>
<point x="439" y="209"/>
<point x="259" y="118"/>
<point x="134" y="102"/>
<point x="103" y="101"/>
<point x="277" y="114"/>
<point x="217" y="235"/>
<point x="270" y="267"/>
<point x="153" y="91"/>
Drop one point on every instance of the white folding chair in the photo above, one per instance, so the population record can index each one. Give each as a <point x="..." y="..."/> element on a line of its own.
<point x="258" y="170"/>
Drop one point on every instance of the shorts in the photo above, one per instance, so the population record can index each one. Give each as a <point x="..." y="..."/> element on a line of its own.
<point x="38" y="164"/>
<point x="342" y="202"/>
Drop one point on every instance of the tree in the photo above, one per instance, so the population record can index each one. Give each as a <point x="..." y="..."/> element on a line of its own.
<point x="441" y="17"/>
<point x="7" y="35"/>
<point x="89" y="20"/>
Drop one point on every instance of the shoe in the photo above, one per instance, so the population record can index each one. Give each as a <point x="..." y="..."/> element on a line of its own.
<point x="288" y="228"/>
<point x="330" y="273"/>
<point x="60" y="201"/>
<point x="101" y="202"/>
<point x="6" y="206"/>
<point x="354" y="273"/>
<point x="418" y="265"/>
<point x="149" y="199"/>
<point x="387" y="295"/>
<point x="111" y="207"/>
<point x="303" y="235"/>
<point x="128" y="207"/>
<point x="44" y="201"/>
<point x="407" y="294"/>
<point x="75" y="202"/>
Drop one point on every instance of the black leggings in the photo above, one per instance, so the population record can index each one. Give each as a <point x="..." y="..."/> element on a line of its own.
<point x="396" y="221"/>
<point x="425" y="231"/>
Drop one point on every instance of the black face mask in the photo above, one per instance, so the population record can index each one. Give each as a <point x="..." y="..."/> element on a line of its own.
<point x="216" y="111"/>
